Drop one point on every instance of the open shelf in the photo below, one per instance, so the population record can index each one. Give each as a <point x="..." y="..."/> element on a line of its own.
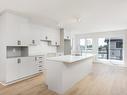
<point x="49" y="43"/>
<point x="46" y="40"/>
<point x="16" y="51"/>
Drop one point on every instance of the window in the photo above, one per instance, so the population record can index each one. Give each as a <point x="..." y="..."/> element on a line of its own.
<point x="110" y="49"/>
<point x="86" y="45"/>
<point x="89" y="45"/>
<point x="119" y="44"/>
<point x="116" y="49"/>
<point x="82" y="45"/>
<point x="103" y="50"/>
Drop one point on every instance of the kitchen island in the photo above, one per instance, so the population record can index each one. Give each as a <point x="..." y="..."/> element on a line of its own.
<point x="65" y="71"/>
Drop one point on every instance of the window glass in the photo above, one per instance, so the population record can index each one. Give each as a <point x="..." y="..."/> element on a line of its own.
<point x="86" y="45"/>
<point x="82" y="45"/>
<point x="103" y="48"/>
<point x="116" y="49"/>
<point x="89" y="45"/>
<point x="110" y="49"/>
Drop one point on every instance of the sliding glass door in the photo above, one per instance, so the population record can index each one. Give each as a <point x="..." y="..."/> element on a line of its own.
<point x="103" y="48"/>
<point x="110" y="49"/>
<point x="116" y="49"/>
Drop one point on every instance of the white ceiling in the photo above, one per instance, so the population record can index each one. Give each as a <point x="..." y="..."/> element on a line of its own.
<point x="94" y="15"/>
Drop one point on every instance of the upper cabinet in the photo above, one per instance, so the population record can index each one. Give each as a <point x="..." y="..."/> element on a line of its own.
<point x="67" y="34"/>
<point x="17" y="27"/>
<point x="52" y="36"/>
<point x="15" y="30"/>
<point x="18" y="30"/>
<point x="55" y="37"/>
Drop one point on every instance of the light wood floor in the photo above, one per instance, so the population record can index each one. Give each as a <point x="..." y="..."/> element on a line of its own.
<point x="104" y="80"/>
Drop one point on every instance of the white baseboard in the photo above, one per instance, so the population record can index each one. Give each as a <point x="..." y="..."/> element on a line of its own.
<point x="4" y="84"/>
<point x="12" y="82"/>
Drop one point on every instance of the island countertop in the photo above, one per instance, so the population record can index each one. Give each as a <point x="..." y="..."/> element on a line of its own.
<point x="63" y="72"/>
<point x="70" y="58"/>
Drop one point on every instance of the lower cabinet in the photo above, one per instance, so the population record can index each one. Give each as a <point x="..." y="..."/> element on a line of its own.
<point x="27" y="66"/>
<point x="12" y="70"/>
<point x="17" y="68"/>
<point x="40" y="60"/>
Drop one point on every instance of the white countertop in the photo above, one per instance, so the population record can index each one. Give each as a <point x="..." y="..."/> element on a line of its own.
<point x="70" y="58"/>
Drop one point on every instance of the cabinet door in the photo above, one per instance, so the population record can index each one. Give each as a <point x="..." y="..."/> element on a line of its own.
<point x="33" y="66"/>
<point x="26" y="35"/>
<point x="34" y="42"/>
<point x="48" y="33"/>
<point x="12" y="70"/>
<point x="67" y="34"/>
<point x="55" y="37"/>
<point x="28" y="67"/>
<point x="37" y="32"/>
<point x="18" y="28"/>
<point x="13" y="43"/>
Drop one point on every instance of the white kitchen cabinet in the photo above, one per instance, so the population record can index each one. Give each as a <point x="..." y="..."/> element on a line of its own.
<point x="17" y="68"/>
<point x="55" y="38"/>
<point x="22" y="42"/>
<point x="21" y="36"/>
<point x="39" y="32"/>
<point x="27" y="66"/>
<point x="34" y="42"/>
<point x="12" y="70"/>
<point x="44" y="33"/>
<point x="55" y="42"/>
<point x="26" y="37"/>
<point x="15" y="28"/>
<point x="40" y="60"/>
<point x="18" y="28"/>
<point x="67" y="34"/>
<point x="15" y="43"/>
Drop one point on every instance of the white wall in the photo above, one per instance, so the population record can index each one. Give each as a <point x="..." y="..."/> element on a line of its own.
<point x="95" y="36"/>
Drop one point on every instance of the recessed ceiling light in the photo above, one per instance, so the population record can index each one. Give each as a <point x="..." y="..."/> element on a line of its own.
<point x="75" y="20"/>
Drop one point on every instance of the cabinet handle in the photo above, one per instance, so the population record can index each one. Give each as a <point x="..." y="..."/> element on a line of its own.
<point x="33" y="41"/>
<point x="56" y="43"/>
<point x="18" y="61"/>
<point x="35" y="58"/>
<point x="39" y="66"/>
<point x="46" y="37"/>
<point x="40" y="61"/>
<point x="19" y="42"/>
